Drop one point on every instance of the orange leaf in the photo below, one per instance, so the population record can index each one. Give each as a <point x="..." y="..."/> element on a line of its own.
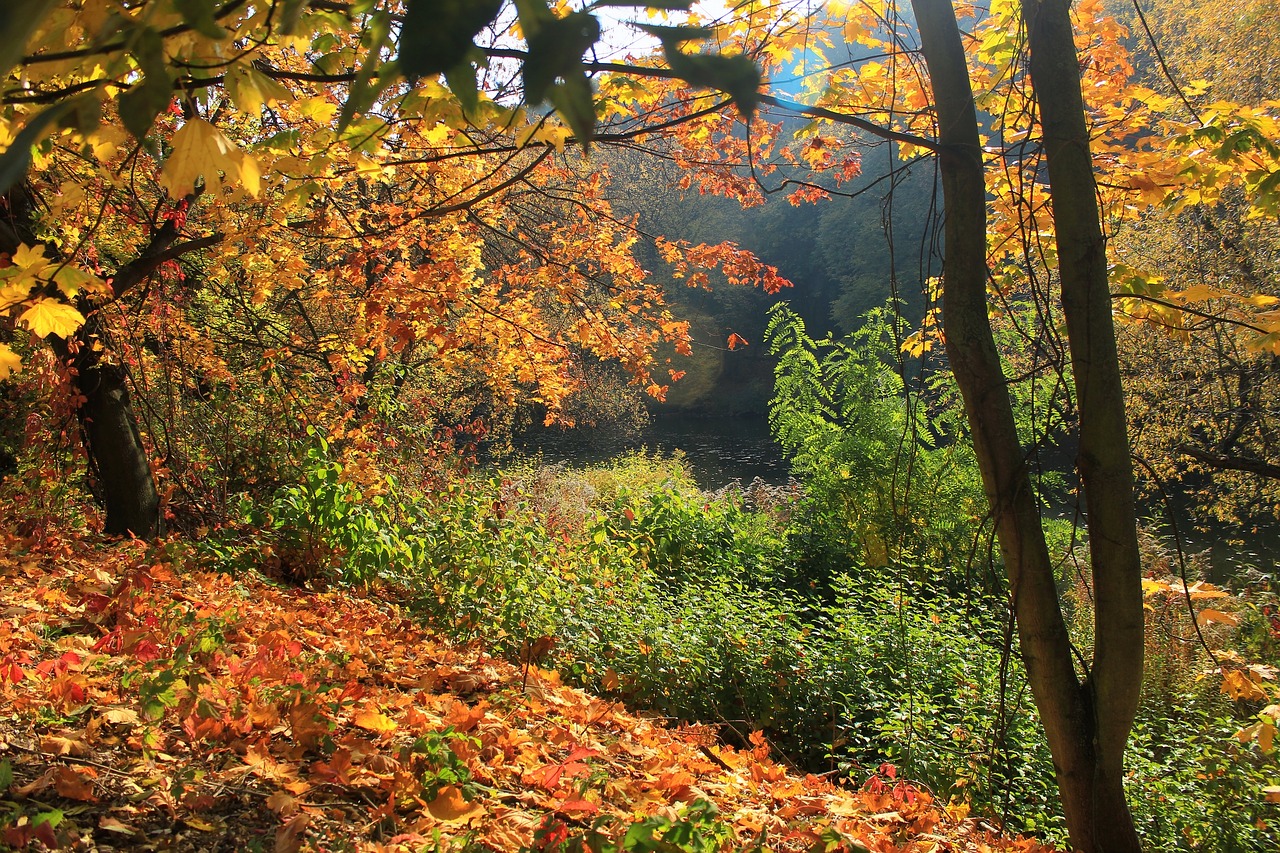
<point x="289" y="834"/>
<point x="1205" y="617"/>
<point x="74" y="785"/>
<point x="451" y="807"/>
<point x="282" y="804"/>
<point x="579" y="805"/>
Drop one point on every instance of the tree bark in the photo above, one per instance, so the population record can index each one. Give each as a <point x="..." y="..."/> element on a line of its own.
<point x="1086" y="722"/>
<point x="117" y="457"/>
<point x="1104" y="465"/>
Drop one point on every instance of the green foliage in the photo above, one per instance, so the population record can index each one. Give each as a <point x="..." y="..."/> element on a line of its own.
<point x="1194" y="786"/>
<point x="444" y="767"/>
<point x="887" y="481"/>
<point x="697" y="828"/>
<point x="327" y="527"/>
<point x="633" y="583"/>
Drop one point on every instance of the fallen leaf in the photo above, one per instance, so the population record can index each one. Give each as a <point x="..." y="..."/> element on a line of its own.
<point x="121" y="716"/>
<point x="110" y="824"/>
<point x="373" y="720"/>
<point x="282" y="803"/>
<point x="58" y="745"/>
<point x="289" y="833"/>
<point x="579" y="805"/>
<point x="451" y="807"/>
<point x="74" y="784"/>
<point x="44" y="781"/>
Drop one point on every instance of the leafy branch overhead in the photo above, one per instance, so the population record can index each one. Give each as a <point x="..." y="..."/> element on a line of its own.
<point x="140" y="64"/>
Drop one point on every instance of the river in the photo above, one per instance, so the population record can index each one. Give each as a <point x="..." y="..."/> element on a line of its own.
<point x="720" y="450"/>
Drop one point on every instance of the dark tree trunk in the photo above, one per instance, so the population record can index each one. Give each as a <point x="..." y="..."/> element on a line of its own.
<point x="117" y="458"/>
<point x="1104" y="464"/>
<point x="1086" y="723"/>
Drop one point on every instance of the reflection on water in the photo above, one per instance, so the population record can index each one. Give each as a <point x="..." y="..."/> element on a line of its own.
<point x="718" y="450"/>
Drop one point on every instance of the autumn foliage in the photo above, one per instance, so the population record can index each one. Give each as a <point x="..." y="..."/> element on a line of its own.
<point x="152" y="699"/>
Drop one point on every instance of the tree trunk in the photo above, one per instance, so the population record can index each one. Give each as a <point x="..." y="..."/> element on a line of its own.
<point x="117" y="458"/>
<point x="1104" y="465"/>
<point x="1086" y="724"/>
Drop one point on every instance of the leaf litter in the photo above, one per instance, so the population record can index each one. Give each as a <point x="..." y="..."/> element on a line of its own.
<point x="146" y="704"/>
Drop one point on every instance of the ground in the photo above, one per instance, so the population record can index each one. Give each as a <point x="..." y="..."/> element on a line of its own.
<point x="147" y="703"/>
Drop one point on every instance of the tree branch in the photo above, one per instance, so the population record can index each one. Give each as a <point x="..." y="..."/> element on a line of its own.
<point x="1231" y="463"/>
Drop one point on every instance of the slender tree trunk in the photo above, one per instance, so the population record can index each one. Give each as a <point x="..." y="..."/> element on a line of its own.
<point x="1086" y="723"/>
<point x="1106" y="471"/>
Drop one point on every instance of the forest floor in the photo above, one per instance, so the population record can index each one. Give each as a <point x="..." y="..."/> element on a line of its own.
<point x="147" y="704"/>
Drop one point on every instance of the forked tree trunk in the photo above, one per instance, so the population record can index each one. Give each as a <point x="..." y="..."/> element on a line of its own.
<point x="1086" y="721"/>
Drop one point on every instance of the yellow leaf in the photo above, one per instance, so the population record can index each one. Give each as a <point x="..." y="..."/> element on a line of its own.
<point x="9" y="362"/>
<point x="1199" y="293"/>
<point x="449" y="806"/>
<point x="318" y="109"/>
<point x="31" y="259"/>
<point x="250" y="89"/>
<point x="1151" y="587"/>
<point x="372" y="720"/>
<point x="51" y="316"/>
<point x="72" y="281"/>
<point x="201" y="150"/>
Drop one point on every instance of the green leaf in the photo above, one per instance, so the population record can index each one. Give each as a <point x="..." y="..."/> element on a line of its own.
<point x="437" y="34"/>
<point x="573" y="100"/>
<point x="737" y="76"/>
<point x="6" y="775"/>
<point x="674" y="35"/>
<point x="199" y="15"/>
<point x="462" y="82"/>
<point x="555" y="52"/>
<point x="290" y="14"/>
<point x="362" y="93"/>
<point x="140" y="105"/>
<point x="670" y="5"/>
<point x="18" y="20"/>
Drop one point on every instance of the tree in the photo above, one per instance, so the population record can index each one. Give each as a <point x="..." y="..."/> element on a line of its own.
<point x="183" y="121"/>
<point x="1087" y="719"/>
<point x="1203" y="414"/>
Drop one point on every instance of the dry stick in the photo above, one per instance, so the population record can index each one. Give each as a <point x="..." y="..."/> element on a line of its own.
<point x="1182" y="561"/>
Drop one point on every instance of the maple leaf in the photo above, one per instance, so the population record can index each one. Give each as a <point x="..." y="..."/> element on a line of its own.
<point x="51" y="316"/>
<point x="75" y="785"/>
<point x="372" y="720"/>
<point x="451" y="807"/>
<point x="200" y="150"/>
